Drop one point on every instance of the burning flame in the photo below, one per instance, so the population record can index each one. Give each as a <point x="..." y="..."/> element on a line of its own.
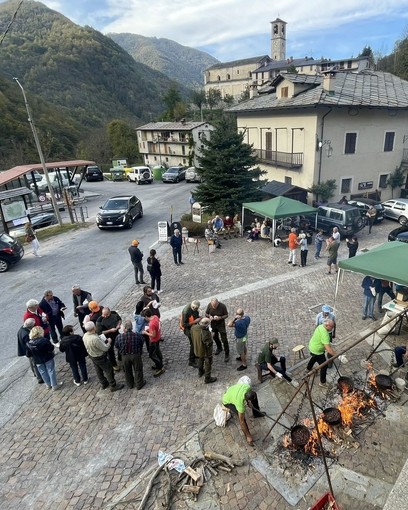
<point x="325" y="429"/>
<point x="352" y="404"/>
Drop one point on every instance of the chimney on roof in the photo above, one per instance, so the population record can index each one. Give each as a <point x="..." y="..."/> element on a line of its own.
<point x="329" y="81"/>
<point x="253" y="91"/>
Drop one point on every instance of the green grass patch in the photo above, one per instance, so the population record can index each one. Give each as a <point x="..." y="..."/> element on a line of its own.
<point x="55" y="230"/>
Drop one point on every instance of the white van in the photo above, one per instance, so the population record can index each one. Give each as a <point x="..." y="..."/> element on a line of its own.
<point x="59" y="180"/>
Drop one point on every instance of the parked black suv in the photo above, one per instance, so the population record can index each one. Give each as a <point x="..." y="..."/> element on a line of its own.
<point x="119" y="211"/>
<point x="93" y="173"/>
<point x="345" y="217"/>
<point x="364" y="205"/>
<point x="11" y="252"/>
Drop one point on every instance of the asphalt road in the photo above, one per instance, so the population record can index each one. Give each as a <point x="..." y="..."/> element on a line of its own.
<point x="97" y="260"/>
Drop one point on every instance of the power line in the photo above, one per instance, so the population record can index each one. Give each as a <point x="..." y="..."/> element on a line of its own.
<point x="11" y="22"/>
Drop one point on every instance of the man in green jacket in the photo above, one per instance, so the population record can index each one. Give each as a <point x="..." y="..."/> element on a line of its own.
<point x="320" y="344"/>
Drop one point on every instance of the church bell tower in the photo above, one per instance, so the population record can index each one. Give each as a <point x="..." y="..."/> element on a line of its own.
<point x="278" y="39"/>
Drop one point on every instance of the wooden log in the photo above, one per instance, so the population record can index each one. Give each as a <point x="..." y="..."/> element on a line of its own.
<point x="227" y="460"/>
<point x="200" y="481"/>
<point x="192" y="473"/>
<point x="193" y="489"/>
<point x="211" y="469"/>
<point x="223" y="468"/>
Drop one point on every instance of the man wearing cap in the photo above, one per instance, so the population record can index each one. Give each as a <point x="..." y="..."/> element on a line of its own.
<point x="190" y="316"/>
<point x="320" y="344"/>
<point x="136" y="257"/>
<point x="240" y="323"/>
<point x="176" y="242"/>
<point x="109" y="324"/>
<point x="80" y="299"/>
<point x="95" y="311"/>
<point x="236" y="398"/>
<point x="268" y="360"/>
<point x="97" y="350"/>
<point x="218" y="312"/>
<point x="203" y="348"/>
<point x="324" y="315"/>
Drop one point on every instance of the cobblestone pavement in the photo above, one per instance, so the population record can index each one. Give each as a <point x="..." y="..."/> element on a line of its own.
<point x="84" y="448"/>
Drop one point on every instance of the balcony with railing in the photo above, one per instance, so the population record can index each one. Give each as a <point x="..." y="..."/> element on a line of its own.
<point x="293" y="160"/>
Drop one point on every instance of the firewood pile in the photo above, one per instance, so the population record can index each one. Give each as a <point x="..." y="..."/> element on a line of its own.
<point x="190" y="481"/>
<point x="200" y="471"/>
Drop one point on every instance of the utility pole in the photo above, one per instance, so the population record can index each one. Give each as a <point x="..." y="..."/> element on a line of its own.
<point x="40" y="154"/>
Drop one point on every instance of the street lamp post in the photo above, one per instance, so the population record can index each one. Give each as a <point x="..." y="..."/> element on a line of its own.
<point x="40" y="154"/>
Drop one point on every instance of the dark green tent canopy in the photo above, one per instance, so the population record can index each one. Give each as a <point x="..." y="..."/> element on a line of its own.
<point x="388" y="262"/>
<point x="279" y="207"/>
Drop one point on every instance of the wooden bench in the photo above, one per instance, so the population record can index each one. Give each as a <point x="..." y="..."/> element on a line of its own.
<point x="298" y="353"/>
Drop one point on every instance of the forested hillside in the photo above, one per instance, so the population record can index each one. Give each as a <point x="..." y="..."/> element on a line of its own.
<point x="183" y="64"/>
<point x="84" y="78"/>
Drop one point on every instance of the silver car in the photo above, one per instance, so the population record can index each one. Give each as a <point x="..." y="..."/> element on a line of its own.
<point x="396" y="209"/>
<point x="174" y="174"/>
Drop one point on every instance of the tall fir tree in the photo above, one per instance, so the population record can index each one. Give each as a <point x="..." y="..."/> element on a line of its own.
<point x="228" y="168"/>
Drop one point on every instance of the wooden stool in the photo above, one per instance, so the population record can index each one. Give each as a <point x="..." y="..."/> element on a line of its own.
<point x="298" y="353"/>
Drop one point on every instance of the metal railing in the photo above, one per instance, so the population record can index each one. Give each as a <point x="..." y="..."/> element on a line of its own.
<point x="279" y="158"/>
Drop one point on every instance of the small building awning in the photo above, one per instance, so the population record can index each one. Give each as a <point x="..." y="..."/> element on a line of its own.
<point x="280" y="189"/>
<point x="13" y="193"/>
<point x="18" y="171"/>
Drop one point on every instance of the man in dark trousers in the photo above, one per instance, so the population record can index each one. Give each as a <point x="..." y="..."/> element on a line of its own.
<point x="203" y="349"/>
<point x="109" y="324"/>
<point x="136" y="257"/>
<point x="130" y="346"/>
<point x="54" y="308"/>
<point x="190" y="316"/>
<point x="80" y="298"/>
<point x="217" y="312"/>
<point x="176" y="242"/>
<point x="97" y="350"/>
<point x="22" y="340"/>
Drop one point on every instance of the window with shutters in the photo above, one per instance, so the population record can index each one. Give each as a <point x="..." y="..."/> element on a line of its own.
<point x="350" y="144"/>
<point x="383" y="181"/>
<point x="389" y="141"/>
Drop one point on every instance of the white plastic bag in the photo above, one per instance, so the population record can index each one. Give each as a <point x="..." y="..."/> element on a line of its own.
<point x="221" y="415"/>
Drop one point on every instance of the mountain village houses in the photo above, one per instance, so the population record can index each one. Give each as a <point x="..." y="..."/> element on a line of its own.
<point x="351" y="127"/>
<point x="314" y="120"/>
<point x="172" y="143"/>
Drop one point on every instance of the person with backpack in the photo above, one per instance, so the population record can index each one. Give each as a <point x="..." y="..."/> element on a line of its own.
<point x="190" y="316"/>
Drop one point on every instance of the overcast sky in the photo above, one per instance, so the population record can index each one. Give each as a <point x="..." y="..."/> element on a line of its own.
<point x="234" y="29"/>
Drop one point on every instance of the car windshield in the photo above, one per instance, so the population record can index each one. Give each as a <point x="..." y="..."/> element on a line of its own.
<point x="172" y="170"/>
<point x="116" y="204"/>
<point x="5" y="238"/>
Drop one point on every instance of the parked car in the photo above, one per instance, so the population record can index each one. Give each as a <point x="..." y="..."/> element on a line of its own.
<point x="140" y="175"/>
<point x="174" y="174"/>
<point x="93" y="173"/>
<point x="11" y="251"/>
<point x="192" y="175"/>
<point x="38" y="221"/>
<point x="399" y="234"/>
<point x="364" y="205"/>
<point x="396" y="209"/>
<point x="119" y="211"/>
<point x="58" y="180"/>
<point x="346" y="218"/>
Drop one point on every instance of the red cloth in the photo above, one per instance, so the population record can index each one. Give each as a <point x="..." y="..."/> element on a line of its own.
<point x="38" y="320"/>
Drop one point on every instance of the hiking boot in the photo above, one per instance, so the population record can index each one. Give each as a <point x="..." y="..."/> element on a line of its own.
<point x="192" y="364"/>
<point x="238" y="358"/>
<point x="210" y="380"/>
<point x="294" y="383"/>
<point x="116" y="368"/>
<point x="241" y="368"/>
<point x="200" y="373"/>
<point x="143" y="384"/>
<point x="117" y="387"/>
<point x="159" y="373"/>
<point x="226" y="359"/>
<point x="259" y="370"/>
